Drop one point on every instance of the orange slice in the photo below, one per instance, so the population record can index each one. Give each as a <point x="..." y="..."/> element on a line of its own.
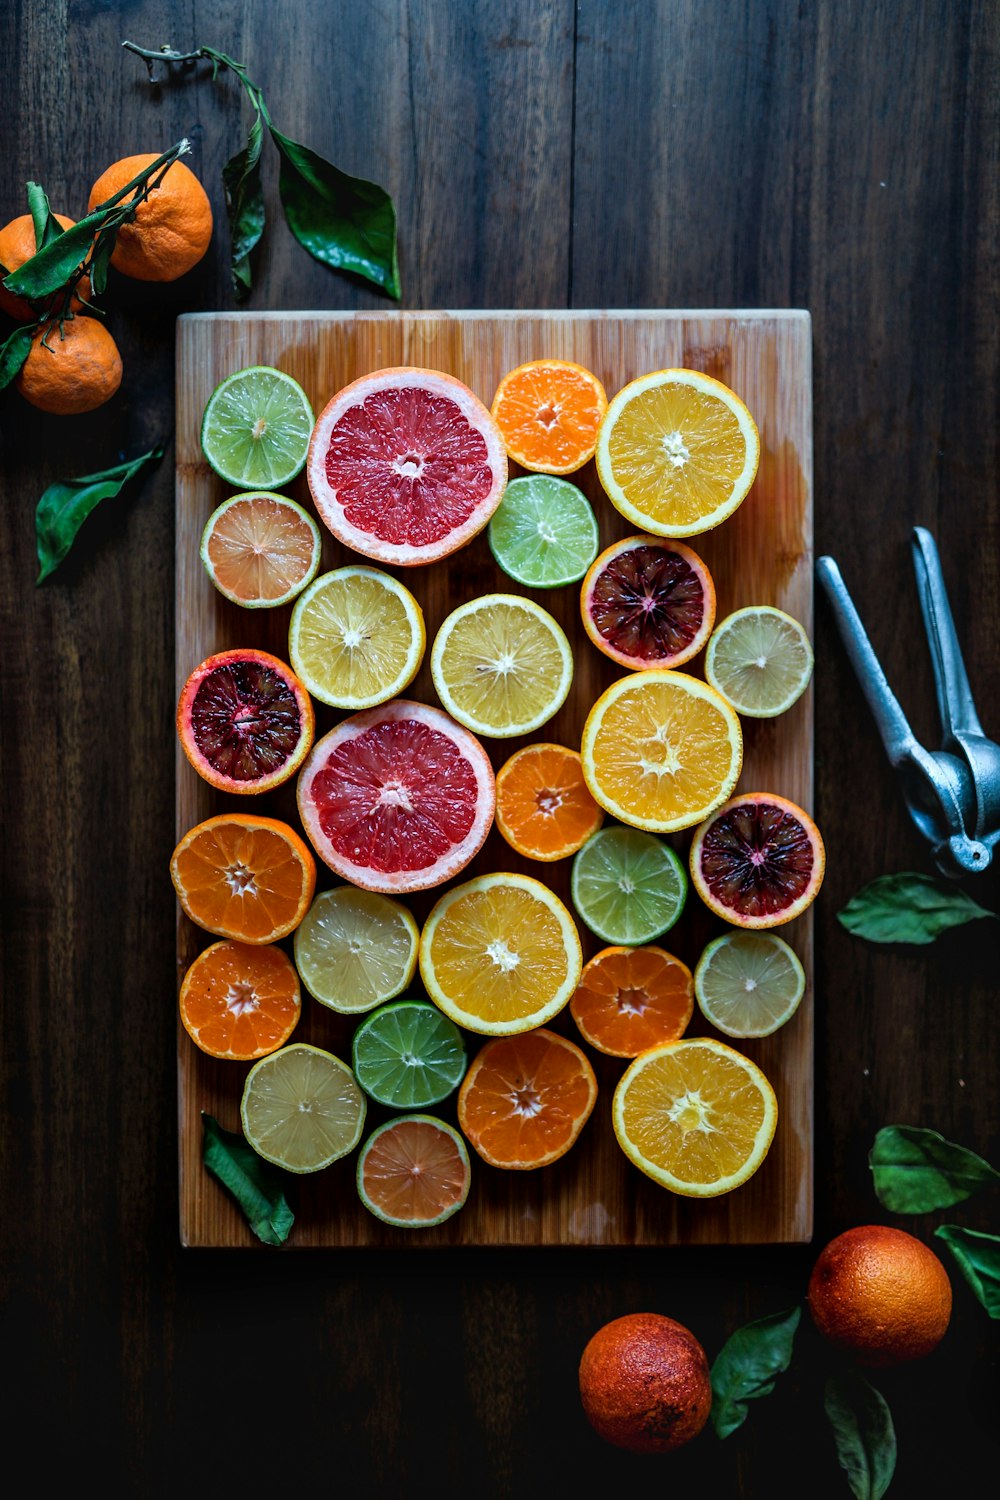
<point x="240" y="1000"/>
<point x="413" y="1172"/>
<point x="525" y="1099"/>
<point x="544" y="809"/>
<point x="549" y="412"/>
<point x="629" y="999"/>
<point x="245" y="721"/>
<point x="758" y="861"/>
<point x="244" y="877"/>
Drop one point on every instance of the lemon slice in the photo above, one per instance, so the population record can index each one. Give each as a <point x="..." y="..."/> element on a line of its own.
<point x="355" y="949"/>
<point x="759" y="659"/>
<point x="501" y="665"/>
<point x="747" y="984"/>
<point x="357" y="637"/>
<point x="302" y="1108"/>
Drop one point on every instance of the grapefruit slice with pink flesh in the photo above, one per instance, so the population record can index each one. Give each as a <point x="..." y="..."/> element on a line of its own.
<point x="397" y="798"/>
<point x="648" y="602"/>
<point x="245" y="721"/>
<point x="758" y="861"/>
<point x="405" y="465"/>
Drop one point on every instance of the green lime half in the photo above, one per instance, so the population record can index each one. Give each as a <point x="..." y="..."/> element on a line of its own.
<point x="543" y="533"/>
<point x="748" y="983"/>
<point x="408" y="1055"/>
<point x="256" y="428"/>
<point x="628" y="886"/>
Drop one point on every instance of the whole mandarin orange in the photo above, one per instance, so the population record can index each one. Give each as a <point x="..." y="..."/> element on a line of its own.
<point x="17" y="244"/>
<point x="172" y="228"/>
<point x="880" y="1295"/>
<point x="74" y="372"/>
<point x="644" y="1383"/>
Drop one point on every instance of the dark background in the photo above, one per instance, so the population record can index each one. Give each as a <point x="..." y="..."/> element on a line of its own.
<point x="838" y="157"/>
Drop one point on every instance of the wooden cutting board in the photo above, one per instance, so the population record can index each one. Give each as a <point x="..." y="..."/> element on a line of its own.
<point x="593" y="1196"/>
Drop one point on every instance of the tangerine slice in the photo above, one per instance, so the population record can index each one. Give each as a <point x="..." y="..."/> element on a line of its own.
<point x="544" y="809"/>
<point x="245" y="721"/>
<point x="648" y="603"/>
<point x="244" y="877"/>
<point x="758" y="861"/>
<point x="525" y="1099"/>
<point x="549" y="412"/>
<point x="629" y="999"/>
<point x="240" y="1000"/>
<point x="414" y="1172"/>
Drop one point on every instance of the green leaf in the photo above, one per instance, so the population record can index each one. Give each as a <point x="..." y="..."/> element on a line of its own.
<point x="45" y="222"/>
<point x="917" y="1171"/>
<point x="67" y="503"/>
<point x="747" y="1366"/>
<point x="52" y="266"/>
<point x="14" y="351"/>
<point x="343" y="221"/>
<point x="978" y="1257"/>
<point x="908" y="908"/>
<point x="254" y="1183"/>
<point x="245" y="207"/>
<point x="864" y="1434"/>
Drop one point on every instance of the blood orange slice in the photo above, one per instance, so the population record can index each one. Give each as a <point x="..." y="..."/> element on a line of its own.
<point x="758" y="861"/>
<point x="648" y="603"/>
<point x="398" y="798"/>
<point x="245" y="721"/>
<point x="405" y="465"/>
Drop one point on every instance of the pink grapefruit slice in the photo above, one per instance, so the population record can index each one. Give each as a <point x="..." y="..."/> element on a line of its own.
<point x="758" y="861"/>
<point x="397" y="798"/>
<point x="647" y="603"/>
<point x="405" y="465"/>
<point x="245" y="721"/>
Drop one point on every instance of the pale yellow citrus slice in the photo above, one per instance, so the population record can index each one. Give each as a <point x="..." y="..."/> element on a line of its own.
<point x="302" y="1108"/>
<point x="356" y="637"/>
<point x="355" y="949"/>
<point x="760" y="660"/>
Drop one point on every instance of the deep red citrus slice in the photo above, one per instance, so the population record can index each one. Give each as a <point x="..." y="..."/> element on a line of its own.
<point x="648" y="603"/>
<point x="245" y="721"/>
<point x="758" y="861"/>
<point x="397" y="798"/>
<point x="405" y="465"/>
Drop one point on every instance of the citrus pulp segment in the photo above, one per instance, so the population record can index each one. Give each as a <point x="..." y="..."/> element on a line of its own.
<point x="356" y="637"/>
<point x="695" y="1116"/>
<point x="414" y="1172"/>
<point x="397" y="798"/>
<point x="647" y="602"/>
<point x="677" y="452"/>
<point x="256" y="428"/>
<point x="407" y="1055"/>
<point x="260" y="549"/>
<point x="244" y="877"/>
<point x="302" y="1108"/>
<point x="405" y="465"/>
<point x="629" y="999"/>
<point x="500" y="954"/>
<point x="747" y="984"/>
<point x="629" y="887"/>
<point x="661" y="750"/>
<point x="759" y="659"/>
<point x="355" y="949"/>
<point x="501" y="665"/>
<point x="543" y="533"/>
<point x="549" y="412"/>
<point x="758" y="861"/>
<point x="245" y="721"/>
<point x="525" y="1099"/>
<point x="240" y="1000"/>
<point x="544" y="809"/>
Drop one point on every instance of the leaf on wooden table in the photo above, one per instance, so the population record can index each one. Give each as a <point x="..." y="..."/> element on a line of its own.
<point x="978" y="1259"/>
<point x="256" y="1185"/>
<point x="908" y="908"/>
<point x="747" y="1366"/>
<point x="67" y="503"/>
<point x="864" y="1434"/>
<point x="916" y="1171"/>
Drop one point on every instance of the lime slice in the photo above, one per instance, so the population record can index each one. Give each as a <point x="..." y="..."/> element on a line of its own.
<point x="544" y="532"/>
<point x="760" y="660"/>
<point x="256" y="428"/>
<point x="628" y="886"/>
<point x="748" y="984"/>
<point x="355" y="949"/>
<point x="302" y="1108"/>
<point x="414" y="1172"/>
<point x="408" y="1055"/>
<point x="261" y="550"/>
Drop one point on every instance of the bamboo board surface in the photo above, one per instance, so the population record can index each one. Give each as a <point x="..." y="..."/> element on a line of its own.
<point x="762" y="555"/>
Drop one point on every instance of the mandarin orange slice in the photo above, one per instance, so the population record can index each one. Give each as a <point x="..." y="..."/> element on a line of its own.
<point x="526" y="1098"/>
<point x="629" y="999"/>
<point x="544" y="809"/>
<point x="244" y="877"/>
<point x="240" y="1000"/>
<point x="549" y="412"/>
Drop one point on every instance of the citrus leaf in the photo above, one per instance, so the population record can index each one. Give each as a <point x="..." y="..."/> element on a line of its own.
<point x="245" y="207"/>
<point x="916" y="1171"/>
<point x="44" y="220"/>
<point x="67" y="503"/>
<point x="100" y="261"/>
<point x="51" y="267"/>
<point x="747" y="1365"/>
<point x="253" y="1182"/>
<point x="14" y="351"/>
<point x="978" y="1258"/>
<point x="907" y="908"/>
<point x="343" y="221"/>
<point x="864" y="1434"/>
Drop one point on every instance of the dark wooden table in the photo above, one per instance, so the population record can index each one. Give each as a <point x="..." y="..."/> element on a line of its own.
<point x="542" y="153"/>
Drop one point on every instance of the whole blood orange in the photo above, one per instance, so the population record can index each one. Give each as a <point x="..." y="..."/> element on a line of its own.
<point x="71" y="369"/>
<point x="172" y="228"/>
<point x="17" y="244"/>
<point x="644" y="1383"/>
<point x="881" y="1295"/>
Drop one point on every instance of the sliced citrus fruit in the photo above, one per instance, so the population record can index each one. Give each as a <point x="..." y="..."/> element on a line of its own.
<point x="549" y="411"/>
<point x="525" y="1099"/>
<point x="414" y="1172"/>
<point x="405" y="465"/>
<point x="544" y="809"/>
<point x="244" y="877"/>
<point x="240" y="1000"/>
<point x="407" y="1055"/>
<point x="256" y="428"/>
<point x="747" y="984"/>
<point x="501" y="665"/>
<point x="355" y="949"/>
<point x="260" y="549"/>
<point x="628" y="886"/>
<point x="302" y="1108"/>
<point x="661" y="750"/>
<point x="245" y="721"/>
<point x="544" y="532"/>
<point x="500" y="954"/>
<point x="695" y="1116"/>
<point x="629" y="999"/>
<point x="356" y="637"/>
<point x="648" y="603"/>
<point x="397" y="798"/>
<point x="758" y="861"/>
<point x="760" y="660"/>
<point x="677" y="452"/>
